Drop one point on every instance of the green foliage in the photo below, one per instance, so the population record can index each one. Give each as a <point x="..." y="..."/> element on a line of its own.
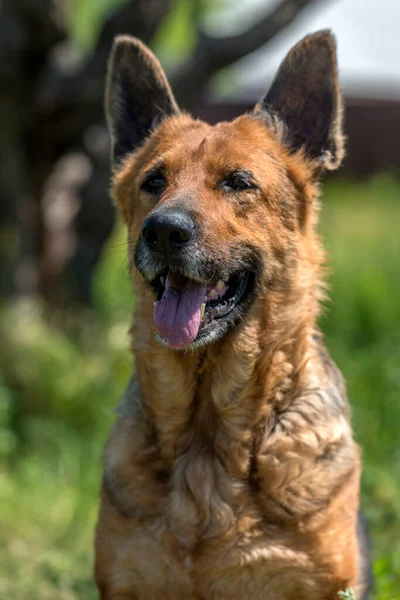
<point x="347" y="595"/>
<point x="58" y="392"/>
<point x="173" y="42"/>
<point x="8" y="439"/>
<point x="55" y="412"/>
<point x="177" y="34"/>
<point x="85" y="18"/>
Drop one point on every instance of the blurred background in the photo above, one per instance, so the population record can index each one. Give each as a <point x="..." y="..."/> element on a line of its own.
<point x="65" y="293"/>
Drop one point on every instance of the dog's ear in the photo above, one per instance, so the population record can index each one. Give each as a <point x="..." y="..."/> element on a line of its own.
<point x="138" y="95"/>
<point x="305" y="96"/>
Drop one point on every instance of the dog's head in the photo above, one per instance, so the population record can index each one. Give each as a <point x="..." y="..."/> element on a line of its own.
<point x="218" y="214"/>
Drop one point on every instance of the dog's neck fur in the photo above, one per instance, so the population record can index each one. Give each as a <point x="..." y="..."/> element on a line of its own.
<point x="210" y="409"/>
<point x="271" y="352"/>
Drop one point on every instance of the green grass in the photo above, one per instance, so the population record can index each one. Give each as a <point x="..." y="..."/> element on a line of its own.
<point x="57" y="395"/>
<point x="347" y="594"/>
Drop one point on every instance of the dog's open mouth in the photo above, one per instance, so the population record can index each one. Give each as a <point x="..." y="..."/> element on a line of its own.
<point x="186" y="307"/>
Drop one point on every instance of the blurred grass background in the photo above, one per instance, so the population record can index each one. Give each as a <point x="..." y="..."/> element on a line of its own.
<point x="58" y="391"/>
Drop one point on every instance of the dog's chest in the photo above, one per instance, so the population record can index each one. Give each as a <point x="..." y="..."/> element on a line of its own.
<point x="205" y="525"/>
<point x="211" y="532"/>
<point x="202" y="546"/>
<point x="228" y="561"/>
<point x="206" y="508"/>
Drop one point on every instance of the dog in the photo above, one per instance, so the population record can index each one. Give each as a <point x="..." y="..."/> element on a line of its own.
<point x="231" y="472"/>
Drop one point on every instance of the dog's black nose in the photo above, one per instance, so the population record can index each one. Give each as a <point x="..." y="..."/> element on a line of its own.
<point x="168" y="229"/>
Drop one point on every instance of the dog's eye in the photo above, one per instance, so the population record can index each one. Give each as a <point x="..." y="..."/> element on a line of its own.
<point x="238" y="181"/>
<point x="154" y="183"/>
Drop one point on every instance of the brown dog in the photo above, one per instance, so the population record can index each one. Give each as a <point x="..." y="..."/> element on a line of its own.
<point x="231" y="472"/>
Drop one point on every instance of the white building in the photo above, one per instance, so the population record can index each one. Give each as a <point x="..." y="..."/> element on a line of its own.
<point x="367" y="32"/>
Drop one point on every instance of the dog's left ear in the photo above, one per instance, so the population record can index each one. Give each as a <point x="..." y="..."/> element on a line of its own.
<point x="305" y="96"/>
<point x="138" y="95"/>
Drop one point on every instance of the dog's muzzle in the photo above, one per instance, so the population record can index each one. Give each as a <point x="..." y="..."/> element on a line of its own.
<point x="196" y="295"/>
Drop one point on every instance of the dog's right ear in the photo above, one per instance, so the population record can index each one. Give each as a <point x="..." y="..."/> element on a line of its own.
<point x="138" y="95"/>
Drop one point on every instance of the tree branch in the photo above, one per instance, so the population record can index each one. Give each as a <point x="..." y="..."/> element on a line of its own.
<point x="213" y="54"/>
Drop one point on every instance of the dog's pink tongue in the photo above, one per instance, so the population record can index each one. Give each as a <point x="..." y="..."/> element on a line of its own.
<point x="177" y="315"/>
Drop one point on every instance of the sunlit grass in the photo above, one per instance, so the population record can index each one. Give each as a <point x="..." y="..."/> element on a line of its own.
<point x="57" y="396"/>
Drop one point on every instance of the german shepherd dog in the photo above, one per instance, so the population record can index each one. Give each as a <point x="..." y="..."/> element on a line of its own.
<point x="231" y="472"/>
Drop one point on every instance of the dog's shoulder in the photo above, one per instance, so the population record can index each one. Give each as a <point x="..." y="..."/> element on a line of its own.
<point x="309" y="451"/>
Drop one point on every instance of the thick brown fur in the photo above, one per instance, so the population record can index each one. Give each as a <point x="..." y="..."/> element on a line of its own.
<point x="231" y="472"/>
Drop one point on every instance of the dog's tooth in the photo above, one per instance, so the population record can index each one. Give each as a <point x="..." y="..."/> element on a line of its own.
<point x="220" y="286"/>
<point x="202" y="309"/>
<point x="162" y="280"/>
